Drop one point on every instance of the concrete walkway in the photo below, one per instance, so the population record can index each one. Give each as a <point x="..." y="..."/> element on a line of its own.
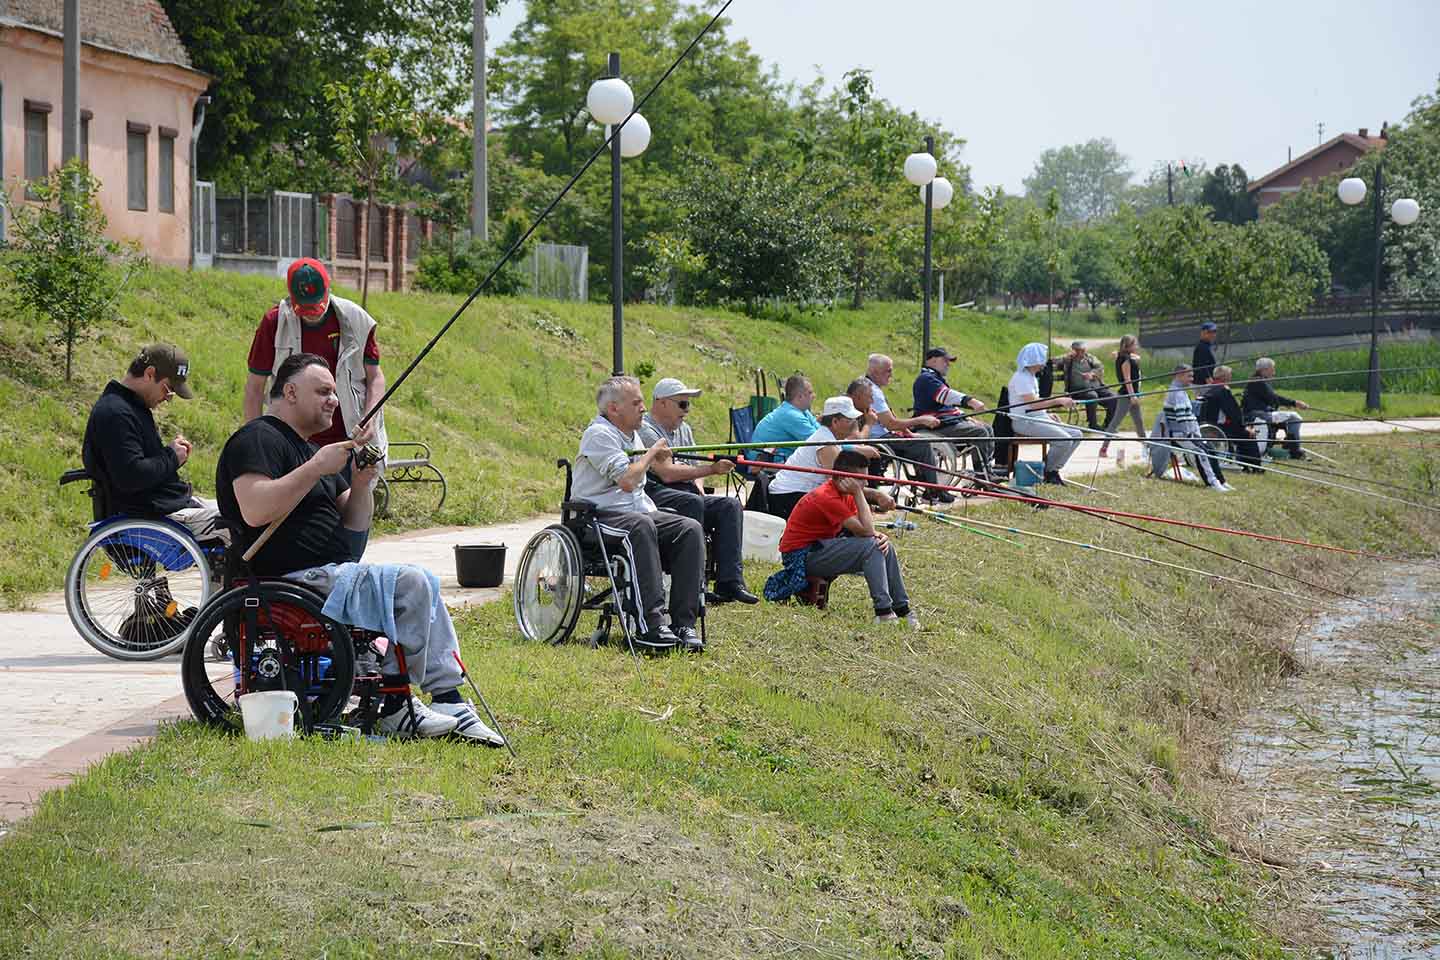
<point x="69" y="706"/>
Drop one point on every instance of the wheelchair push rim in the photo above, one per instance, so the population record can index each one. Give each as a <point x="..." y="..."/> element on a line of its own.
<point x="1219" y="441"/>
<point x="315" y="655"/>
<point x="135" y="587"/>
<point x="549" y="585"/>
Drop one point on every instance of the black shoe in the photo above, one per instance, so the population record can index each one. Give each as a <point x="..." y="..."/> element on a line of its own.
<point x="1297" y="454"/>
<point x="939" y="496"/>
<point x="690" y="640"/>
<point x="1053" y="476"/>
<point x="731" y="594"/>
<point x="657" y="641"/>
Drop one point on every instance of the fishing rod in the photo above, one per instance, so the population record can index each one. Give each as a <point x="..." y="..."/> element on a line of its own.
<point x="369" y="454"/>
<point x="1328" y="472"/>
<point x="968" y="441"/>
<point x="948" y="520"/>
<point x="1083" y="508"/>
<point x="1356" y="416"/>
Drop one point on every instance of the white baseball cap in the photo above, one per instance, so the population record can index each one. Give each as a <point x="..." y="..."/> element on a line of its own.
<point x="670" y="387"/>
<point x="842" y="405"/>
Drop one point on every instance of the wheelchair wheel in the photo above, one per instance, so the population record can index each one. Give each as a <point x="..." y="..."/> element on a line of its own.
<point x="295" y="646"/>
<point x="1219" y="442"/>
<point x="135" y="587"/>
<point x="550" y="585"/>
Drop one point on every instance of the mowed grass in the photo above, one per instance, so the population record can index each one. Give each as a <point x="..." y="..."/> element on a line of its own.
<point x="1028" y="777"/>
<point x="504" y="394"/>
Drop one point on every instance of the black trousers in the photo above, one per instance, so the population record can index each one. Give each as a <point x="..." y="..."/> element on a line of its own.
<point x="910" y="450"/>
<point x="720" y="517"/>
<point x="1092" y="410"/>
<point x="1246" y="449"/>
<point x="655" y="543"/>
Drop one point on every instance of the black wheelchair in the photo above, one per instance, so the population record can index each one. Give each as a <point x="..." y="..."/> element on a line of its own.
<point x="136" y="583"/>
<point x="950" y="456"/>
<point x="552" y="581"/>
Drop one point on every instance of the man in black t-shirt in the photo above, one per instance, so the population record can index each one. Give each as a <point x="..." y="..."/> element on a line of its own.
<point x="267" y="471"/>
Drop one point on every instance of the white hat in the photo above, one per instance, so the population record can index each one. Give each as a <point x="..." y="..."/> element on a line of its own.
<point x="670" y="387"/>
<point x="842" y="405"/>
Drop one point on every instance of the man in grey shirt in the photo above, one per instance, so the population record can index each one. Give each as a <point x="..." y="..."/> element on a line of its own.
<point x="653" y="540"/>
<point x="676" y="486"/>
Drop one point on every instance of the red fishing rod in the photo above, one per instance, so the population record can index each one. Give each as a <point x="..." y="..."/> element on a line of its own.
<point x="1080" y="508"/>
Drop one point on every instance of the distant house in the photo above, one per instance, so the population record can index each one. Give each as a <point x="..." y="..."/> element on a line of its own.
<point x="1332" y="156"/>
<point x="138" y="96"/>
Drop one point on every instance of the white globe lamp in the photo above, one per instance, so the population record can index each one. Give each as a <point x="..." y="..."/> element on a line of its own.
<point x="920" y="168"/>
<point x="610" y="100"/>
<point x="1351" y="190"/>
<point x="942" y="193"/>
<point x="634" y="136"/>
<point x="1405" y="211"/>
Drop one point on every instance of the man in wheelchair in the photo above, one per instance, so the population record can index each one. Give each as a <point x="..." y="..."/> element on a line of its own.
<point x="607" y="476"/>
<point x="676" y="486"/>
<point x="268" y="471"/>
<point x="123" y="446"/>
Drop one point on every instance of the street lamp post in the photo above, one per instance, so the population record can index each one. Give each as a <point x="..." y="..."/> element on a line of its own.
<point x="935" y="194"/>
<point x="1404" y="212"/>
<point x="611" y="102"/>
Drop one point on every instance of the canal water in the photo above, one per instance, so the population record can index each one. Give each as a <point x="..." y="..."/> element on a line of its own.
<point x="1340" y="771"/>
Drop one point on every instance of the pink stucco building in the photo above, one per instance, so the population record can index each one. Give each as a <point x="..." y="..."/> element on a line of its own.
<point x="138" y="95"/>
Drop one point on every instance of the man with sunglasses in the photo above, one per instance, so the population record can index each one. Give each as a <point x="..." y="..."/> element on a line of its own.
<point x="123" y="446"/>
<point x="676" y="487"/>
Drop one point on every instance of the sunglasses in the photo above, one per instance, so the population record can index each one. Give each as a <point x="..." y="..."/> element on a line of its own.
<point x="683" y="404"/>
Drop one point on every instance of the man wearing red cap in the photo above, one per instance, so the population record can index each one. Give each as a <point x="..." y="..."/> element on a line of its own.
<point x="313" y="320"/>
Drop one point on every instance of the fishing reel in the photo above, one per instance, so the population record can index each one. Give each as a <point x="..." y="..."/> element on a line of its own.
<point x="367" y="455"/>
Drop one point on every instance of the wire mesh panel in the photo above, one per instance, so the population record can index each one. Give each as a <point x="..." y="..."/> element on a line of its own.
<point x="559" y="271"/>
<point x="294" y="225"/>
<point x="202" y="216"/>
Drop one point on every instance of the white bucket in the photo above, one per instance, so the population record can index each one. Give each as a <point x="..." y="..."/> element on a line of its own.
<point x="761" y="539"/>
<point x="269" y="714"/>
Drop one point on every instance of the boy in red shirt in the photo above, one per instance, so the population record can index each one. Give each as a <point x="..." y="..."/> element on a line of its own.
<point x="813" y="544"/>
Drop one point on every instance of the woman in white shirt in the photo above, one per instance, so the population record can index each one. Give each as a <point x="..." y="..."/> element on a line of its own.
<point x="839" y="422"/>
<point x="1028" y="416"/>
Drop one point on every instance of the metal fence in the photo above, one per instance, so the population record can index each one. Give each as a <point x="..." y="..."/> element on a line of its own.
<point x="559" y="271"/>
<point x="278" y="224"/>
<point x="1334" y="316"/>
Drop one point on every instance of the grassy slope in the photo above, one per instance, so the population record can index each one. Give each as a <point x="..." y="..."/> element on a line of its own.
<point x="1027" y="778"/>
<point x="505" y="394"/>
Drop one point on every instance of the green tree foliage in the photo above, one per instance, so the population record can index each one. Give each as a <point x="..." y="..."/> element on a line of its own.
<point x="1089" y="178"/>
<point x="1184" y="179"/>
<point x="1183" y="261"/>
<point x="760" y="235"/>
<point x="60" y="268"/>
<point x="1225" y="192"/>
<point x="1098" y="251"/>
<point x="971" y="251"/>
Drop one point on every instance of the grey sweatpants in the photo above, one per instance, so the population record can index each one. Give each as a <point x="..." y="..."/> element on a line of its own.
<point x="1125" y="403"/>
<point x="656" y="543"/>
<point x="430" y="645"/>
<point x="830" y="558"/>
<point x="1063" y="440"/>
<point x="201" y="518"/>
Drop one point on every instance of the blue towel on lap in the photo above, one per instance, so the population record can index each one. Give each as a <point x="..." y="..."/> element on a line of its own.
<point x="363" y="595"/>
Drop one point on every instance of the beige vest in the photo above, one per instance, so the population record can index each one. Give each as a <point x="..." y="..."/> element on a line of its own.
<point x="355" y="327"/>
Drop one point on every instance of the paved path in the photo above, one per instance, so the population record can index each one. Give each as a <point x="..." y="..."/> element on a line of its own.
<point x="67" y="706"/>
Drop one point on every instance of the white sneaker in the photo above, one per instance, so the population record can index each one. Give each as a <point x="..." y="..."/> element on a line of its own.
<point x="1219" y="487"/>
<point x="886" y="618"/>
<point x="468" y="724"/>
<point x="425" y="723"/>
<point x="913" y="621"/>
<point x="1227" y="488"/>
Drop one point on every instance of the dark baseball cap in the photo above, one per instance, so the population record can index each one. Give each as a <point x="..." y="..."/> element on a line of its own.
<point x="934" y="352"/>
<point x="309" y="287"/>
<point x="170" y="363"/>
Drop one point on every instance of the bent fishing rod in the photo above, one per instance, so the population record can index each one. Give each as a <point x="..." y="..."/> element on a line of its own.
<point x="1084" y="508"/>
<point x="368" y="455"/>
<point x="1365" y="419"/>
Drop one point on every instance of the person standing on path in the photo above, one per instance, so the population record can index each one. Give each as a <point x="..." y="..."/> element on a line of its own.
<point x="313" y="320"/>
<point x="1202" y="361"/>
<point x="1127" y="385"/>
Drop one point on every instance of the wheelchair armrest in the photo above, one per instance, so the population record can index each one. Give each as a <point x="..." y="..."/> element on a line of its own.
<point x="71" y="476"/>
<point x="581" y="510"/>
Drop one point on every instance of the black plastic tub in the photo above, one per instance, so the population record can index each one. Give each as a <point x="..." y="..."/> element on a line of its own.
<point x="480" y="564"/>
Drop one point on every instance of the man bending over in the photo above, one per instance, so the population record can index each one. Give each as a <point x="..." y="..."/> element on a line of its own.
<point x="268" y="470"/>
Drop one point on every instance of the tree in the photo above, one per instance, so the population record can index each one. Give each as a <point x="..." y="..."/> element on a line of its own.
<point x="1183" y="180"/>
<point x="375" y="119"/>
<point x="970" y="252"/>
<point x="1089" y="178"/>
<point x="1183" y="261"/>
<point x="62" y="269"/>
<point x="760" y="235"/>
<point x="1225" y="191"/>
<point x="1097" y="251"/>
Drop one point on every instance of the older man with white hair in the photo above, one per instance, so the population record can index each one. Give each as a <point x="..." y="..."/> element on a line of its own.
<point x="1262" y="408"/>
<point x="607" y="475"/>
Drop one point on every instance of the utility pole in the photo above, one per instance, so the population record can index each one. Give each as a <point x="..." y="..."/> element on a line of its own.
<point x="70" y="85"/>
<point x="1169" y="185"/>
<point x="480" y="191"/>
<point x="1320" y="132"/>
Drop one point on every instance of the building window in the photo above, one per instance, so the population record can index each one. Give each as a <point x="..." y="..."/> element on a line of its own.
<point x="166" y="201"/>
<point x="85" y="116"/>
<point x="137" y="143"/>
<point x="37" y="143"/>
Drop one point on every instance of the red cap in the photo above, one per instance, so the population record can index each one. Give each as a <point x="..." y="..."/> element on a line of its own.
<point x="309" y="287"/>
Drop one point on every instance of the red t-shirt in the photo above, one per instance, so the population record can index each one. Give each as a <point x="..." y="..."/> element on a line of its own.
<point x="323" y="340"/>
<point x="819" y="515"/>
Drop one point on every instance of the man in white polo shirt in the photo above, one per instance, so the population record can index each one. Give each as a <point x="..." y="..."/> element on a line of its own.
<point x="676" y="486"/>
<point x="654" y="541"/>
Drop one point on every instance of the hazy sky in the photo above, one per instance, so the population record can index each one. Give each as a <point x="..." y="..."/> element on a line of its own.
<point x="1222" y="80"/>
